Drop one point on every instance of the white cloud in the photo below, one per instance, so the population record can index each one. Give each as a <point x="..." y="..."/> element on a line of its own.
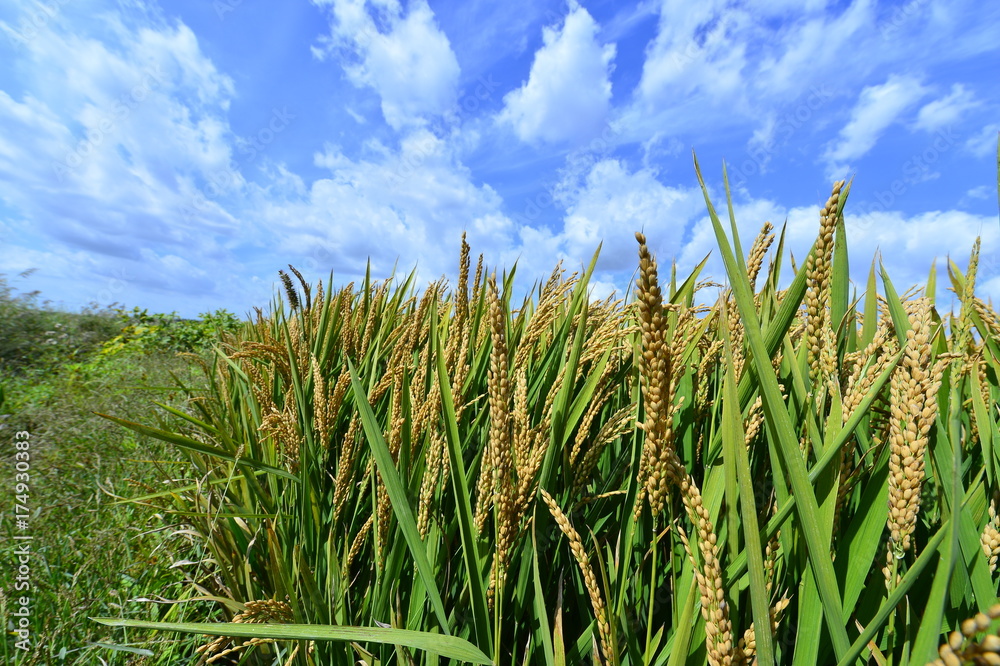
<point x="877" y="108"/>
<point x="407" y="203"/>
<point x="568" y="92"/>
<point x="118" y="127"/>
<point x="751" y="214"/>
<point x="984" y="142"/>
<point x="724" y="64"/>
<point x="814" y="47"/>
<point x="947" y="110"/>
<point x="730" y="63"/>
<point x="409" y="63"/>
<point x="699" y="51"/>
<point x="408" y="193"/>
<point x="908" y="245"/>
<point x="612" y="203"/>
<point x="981" y="192"/>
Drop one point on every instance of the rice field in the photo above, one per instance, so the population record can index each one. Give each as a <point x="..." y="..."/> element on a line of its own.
<point x="804" y="474"/>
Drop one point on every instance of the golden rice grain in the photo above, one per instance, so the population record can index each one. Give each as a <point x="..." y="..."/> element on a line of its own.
<point x="356" y="546"/>
<point x="267" y="611"/>
<point x="818" y="268"/>
<point x="962" y="646"/>
<point x="722" y="651"/>
<point x="990" y="538"/>
<point x="657" y="470"/>
<point x="913" y="406"/>
<point x="429" y="482"/>
<point x="590" y="580"/>
<point x="758" y="251"/>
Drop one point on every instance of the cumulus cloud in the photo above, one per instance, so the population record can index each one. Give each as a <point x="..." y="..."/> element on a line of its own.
<point x="568" y="92"/>
<point x="613" y="202"/>
<point x="406" y="59"/>
<point x="121" y="125"/>
<point x="729" y="63"/>
<point x="809" y="48"/>
<point x="909" y="244"/>
<point x="120" y="158"/>
<point x="877" y="108"/>
<point x="698" y="51"/>
<point x="388" y="204"/>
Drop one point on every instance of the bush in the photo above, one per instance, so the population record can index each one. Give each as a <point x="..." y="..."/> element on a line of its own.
<point x="33" y="337"/>
<point x="168" y="332"/>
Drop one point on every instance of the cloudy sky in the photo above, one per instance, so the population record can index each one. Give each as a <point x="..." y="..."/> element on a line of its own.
<point x="176" y="155"/>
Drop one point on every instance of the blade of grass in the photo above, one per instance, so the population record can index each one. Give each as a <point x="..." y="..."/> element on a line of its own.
<point x="780" y="427"/>
<point x="544" y="631"/>
<point x="870" y="324"/>
<point x="736" y="450"/>
<point x="397" y="496"/>
<point x="451" y="647"/>
<point x="739" y="566"/>
<point x="460" y="486"/>
<point x="680" y="642"/>
<point x="892" y="600"/>
<point x="195" y="445"/>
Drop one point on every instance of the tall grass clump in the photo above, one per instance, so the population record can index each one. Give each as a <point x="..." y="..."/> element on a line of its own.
<point x="790" y="474"/>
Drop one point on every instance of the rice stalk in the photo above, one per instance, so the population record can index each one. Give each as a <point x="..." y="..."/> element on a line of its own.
<point x="819" y="332"/>
<point x="915" y="384"/>
<point x="590" y="580"/>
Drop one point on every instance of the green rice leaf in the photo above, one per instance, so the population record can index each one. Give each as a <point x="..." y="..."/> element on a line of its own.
<point x="737" y="452"/>
<point x="198" y="447"/>
<point x="779" y="425"/>
<point x="460" y="486"/>
<point x="451" y="647"/>
<point x="397" y="496"/>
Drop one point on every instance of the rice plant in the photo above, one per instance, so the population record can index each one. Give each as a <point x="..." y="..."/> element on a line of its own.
<point x="798" y="474"/>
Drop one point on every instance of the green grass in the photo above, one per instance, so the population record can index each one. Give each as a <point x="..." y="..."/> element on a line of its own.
<point x="91" y="555"/>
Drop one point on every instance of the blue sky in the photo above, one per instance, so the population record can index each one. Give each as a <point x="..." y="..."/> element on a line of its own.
<point x="175" y="156"/>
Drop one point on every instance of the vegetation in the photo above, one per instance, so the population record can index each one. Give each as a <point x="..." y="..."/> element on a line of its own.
<point x="790" y="475"/>
<point x="90" y="555"/>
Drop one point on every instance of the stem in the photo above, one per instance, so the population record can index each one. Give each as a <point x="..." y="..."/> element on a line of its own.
<point x="652" y="596"/>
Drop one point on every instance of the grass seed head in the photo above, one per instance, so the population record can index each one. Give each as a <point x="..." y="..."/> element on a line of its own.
<point x="818" y="269"/>
<point x="913" y="408"/>
<point x="590" y="580"/>
<point x="758" y="251"/>
<point x="990" y="538"/>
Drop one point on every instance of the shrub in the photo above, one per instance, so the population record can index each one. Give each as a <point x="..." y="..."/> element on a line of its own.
<point x="168" y="332"/>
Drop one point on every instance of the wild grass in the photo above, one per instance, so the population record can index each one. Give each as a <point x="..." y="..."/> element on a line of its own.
<point x="794" y="473"/>
<point x="91" y="556"/>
